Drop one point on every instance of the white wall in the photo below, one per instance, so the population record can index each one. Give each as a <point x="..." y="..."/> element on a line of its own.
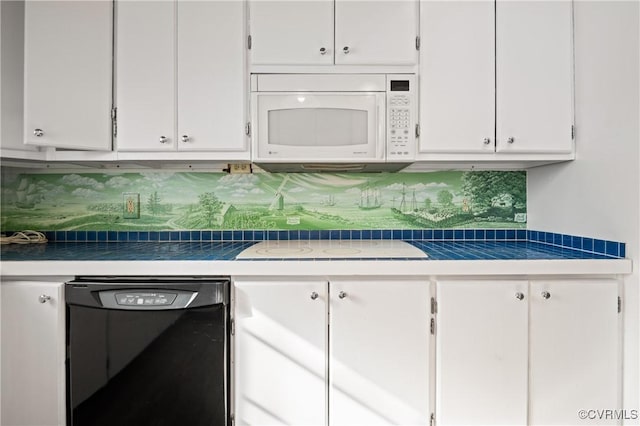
<point x="598" y="194"/>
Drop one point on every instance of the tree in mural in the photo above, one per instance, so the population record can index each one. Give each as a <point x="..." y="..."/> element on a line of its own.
<point x="486" y="189"/>
<point x="445" y="198"/>
<point x="210" y="204"/>
<point x="428" y="204"/>
<point x="153" y="203"/>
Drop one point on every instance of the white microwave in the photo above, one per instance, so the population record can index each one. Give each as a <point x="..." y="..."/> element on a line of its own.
<point x="333" y="122"/>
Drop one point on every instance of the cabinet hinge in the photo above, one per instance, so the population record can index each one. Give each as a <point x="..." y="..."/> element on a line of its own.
<point x="432" y="328"/>
<point x="432" y="420"/>
<point x="249" y="42"/>
<point x="247" y="129"/>
<point x="114" y="121"/>
<point x="417" y="42"/>
<point x="233" y="419"/>
<point x="619" y="304"/>
<point x="233" y="327"/>
<point x="434" y="306"/>
<point x="417" y="130"/>
<point x="573" y="132"/>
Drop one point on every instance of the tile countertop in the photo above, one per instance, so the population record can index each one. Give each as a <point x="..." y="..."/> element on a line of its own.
<point x="218" y="258"/>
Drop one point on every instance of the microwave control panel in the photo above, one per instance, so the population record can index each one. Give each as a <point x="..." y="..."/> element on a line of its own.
<point x="401" y="120"/>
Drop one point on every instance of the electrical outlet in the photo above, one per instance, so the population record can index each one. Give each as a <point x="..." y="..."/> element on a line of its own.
<point x="131" y="205"/>
<point x="240" y="168"/>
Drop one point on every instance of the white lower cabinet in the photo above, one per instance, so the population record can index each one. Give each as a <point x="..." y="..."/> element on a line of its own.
<point x="519" y="352"/>
<point x="33" y="353"/>
<point x="574" y="350"/>
<point x="481" y="353"/>
<point x="337" y="353"/>
<point x="280" y="352"/>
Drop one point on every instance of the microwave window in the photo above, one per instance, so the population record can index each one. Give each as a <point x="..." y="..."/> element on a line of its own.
<point x="318" y="127"/>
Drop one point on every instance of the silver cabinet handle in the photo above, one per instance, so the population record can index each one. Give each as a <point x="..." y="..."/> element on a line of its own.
<point x="164" y="139"/>
<point x="486" y="141"/>
<point x="185" y="138"/>
<point x="323" y="51"/>
<point x="546" y="295"/>
<point x="519" y="296"/>
<point x="511" y="140"/>
<point x="342" y="295"/>
<point x="44" y="298"/>
<point x="345" y="50"/>
<point x="38" y="132"/>
<point x="314" y="295"/>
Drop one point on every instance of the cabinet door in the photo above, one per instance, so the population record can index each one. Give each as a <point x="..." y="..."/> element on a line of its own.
<point x="291" y="32"/>
<point x="379" y="353"/>
<point x="574" y="344"/>
<point x="211" y="113"/>
<point x="145" y="79"/>
<point x="481" y="353"/>
<point x="280" y="352"/>
<point x="378" y="32"/>
<point x="12" y="76"/>
<point x="457" y="76"/>
<point x="67" y="74"/>
<point x="33" y="354"/>
<point x="534" y="75"/>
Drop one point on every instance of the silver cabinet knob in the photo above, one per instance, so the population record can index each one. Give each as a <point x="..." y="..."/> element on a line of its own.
<point x="38" y="132"/>
<point x="44" y="298"/>
<point x="342" y="295"/>
<point x="164" y="139"/>
<point x="185" y="138"/>
<point x="314" y="295"/>
<point x="345" y="50"/>
<point x="511" y="140"/>
<point x="323" y="51"/>
<point x="546" y="295"/>
<point x="486" y="141"/>
<point x="519" y="296"/>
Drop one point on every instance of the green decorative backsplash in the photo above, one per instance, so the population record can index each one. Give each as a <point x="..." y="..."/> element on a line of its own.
<point x="161" y="200"/>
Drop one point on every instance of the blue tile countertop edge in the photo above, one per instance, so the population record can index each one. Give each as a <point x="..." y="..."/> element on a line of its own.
<point x="440" y="244"/>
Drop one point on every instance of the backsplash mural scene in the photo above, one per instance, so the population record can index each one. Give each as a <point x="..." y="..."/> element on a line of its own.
<point x="161" y="200"/>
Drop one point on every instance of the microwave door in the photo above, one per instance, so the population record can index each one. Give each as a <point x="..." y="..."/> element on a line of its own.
<point x="320" y="126"/>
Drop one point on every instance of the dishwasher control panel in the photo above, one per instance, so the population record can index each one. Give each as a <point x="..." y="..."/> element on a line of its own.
<point x="143" y="299"/>
<point x="146" y="298"/>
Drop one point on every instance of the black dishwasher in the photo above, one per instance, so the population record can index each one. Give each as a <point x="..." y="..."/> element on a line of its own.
<point x="147" y="351"/>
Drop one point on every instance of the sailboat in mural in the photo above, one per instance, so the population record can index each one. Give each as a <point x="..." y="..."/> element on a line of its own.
<point x="370" y="199"/>
<point x="329" y="201"/>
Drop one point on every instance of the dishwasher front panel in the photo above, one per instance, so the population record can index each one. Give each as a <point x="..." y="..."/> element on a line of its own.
<point x="147" y="354"/>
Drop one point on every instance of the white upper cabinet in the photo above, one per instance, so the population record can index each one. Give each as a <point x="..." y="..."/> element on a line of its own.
<point x="145" y="76"/>
<point x="534" y="74"/>
<point x="496" y="77"/>
<point x="328" y="32"/>
<point x="211" y="76"/>
<point x="457" y="80"/>
<point x="68" y="74"/>
<point x="12" y="79"/>
<point x="180" y="76"/>
<point x="291" y="32"/>
<point x="378" y="32"/>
